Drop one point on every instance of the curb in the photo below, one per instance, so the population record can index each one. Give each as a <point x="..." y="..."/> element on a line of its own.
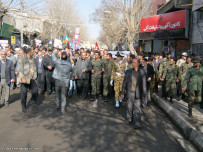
<point x="189" y="131"/>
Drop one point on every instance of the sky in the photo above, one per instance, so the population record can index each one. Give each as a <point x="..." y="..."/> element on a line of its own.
<point x="86" y="8"/>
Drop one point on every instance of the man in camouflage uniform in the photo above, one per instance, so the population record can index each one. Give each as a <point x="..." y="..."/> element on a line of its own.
<point x="182" y="72"/>
<point x="118" y="73"/>
<point x="179" y="64"/>
<point x="170" y="75"/>
<point x="97" y="66"/>
<point x="193" y="83"/>
<point x="164" y="63"/>
<point x="130" y="61"/>
<point x="107" y="68"/>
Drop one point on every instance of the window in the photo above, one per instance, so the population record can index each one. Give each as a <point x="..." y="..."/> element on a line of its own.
<point x="200" y="16"/>
<point x="197" y="49"/>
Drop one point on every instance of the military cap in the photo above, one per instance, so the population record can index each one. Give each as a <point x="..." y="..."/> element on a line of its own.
<point x="119" y="54"/>
<point x="184" y="54"/>
<point x="196" y="59"/>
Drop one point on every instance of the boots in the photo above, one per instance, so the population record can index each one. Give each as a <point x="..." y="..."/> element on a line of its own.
<point x="171" y="101"/>
<point x="117" y="104"/>
<point x="190" y="113"/>
<point x="179" y="98"/>
<point x="93" y="97"/>
<point x="120" y="100"/>
<point x="105" y="99"/>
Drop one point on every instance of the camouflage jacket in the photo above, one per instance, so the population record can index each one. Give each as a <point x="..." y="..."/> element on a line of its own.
<point x="193" y="79"/>
<point x="130" y="65"/>
<point x="170" y="73"/>
<point x="164" y="63"/>
<point x="183" y="69"/>
<point x="180" y="62"/>
<point x="119" y="69"/>
<point x="27" y="69"/>
<point x="97" y="67"/>
<point x="108" y="65"/>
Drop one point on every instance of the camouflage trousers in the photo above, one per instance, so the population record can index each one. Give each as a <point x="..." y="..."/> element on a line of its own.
<point x="118" y="82"/>
<point x="170" y="88"/>
<point x="150" y="90"/>
<point x="194" y="97"/>
<point x="106" y="85"/>
<point x="179" y="91"/>
<point x="95" y="85"/>
<point x="163" y="85"/>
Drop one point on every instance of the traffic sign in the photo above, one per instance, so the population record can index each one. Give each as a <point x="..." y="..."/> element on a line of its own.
<point x="13" y="40"/>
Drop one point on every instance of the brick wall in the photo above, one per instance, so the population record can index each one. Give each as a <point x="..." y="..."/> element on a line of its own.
<point x="155" y="4"/>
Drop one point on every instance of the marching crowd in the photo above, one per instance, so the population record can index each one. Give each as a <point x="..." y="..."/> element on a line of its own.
<point x="65" y="72"/>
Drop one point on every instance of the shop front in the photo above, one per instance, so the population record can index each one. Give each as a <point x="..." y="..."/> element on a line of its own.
<point x="165" y="32"/>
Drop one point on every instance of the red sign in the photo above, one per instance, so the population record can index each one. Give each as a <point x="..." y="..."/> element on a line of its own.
<point x="174" y="20"/>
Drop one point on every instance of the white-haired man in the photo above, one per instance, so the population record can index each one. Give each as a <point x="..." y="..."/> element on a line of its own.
<point x="7" y="75"/>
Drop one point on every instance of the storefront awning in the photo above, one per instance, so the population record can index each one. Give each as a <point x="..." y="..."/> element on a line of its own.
<point x="166" y="26"/>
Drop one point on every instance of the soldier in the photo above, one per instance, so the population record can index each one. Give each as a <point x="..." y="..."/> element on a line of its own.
<point x="183" y="60"/>
<point x="97" y="65"/>
<point x="193" y="83"/>
<point x="182" y="72"/>
<point x="170" y="75"/>
<point x="130" y="61"/>
<point x="163" y="65"/>
<point x="117" y="76"/>
<point x="108" y="65"/>
<point x="179" y="63"/>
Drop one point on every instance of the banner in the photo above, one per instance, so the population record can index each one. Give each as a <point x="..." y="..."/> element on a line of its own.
<point x="3" y="43"/>
<point x="38" y="42"/>
<point x="58" y="43"/>
<point x="169" y="21"/>
<point x="6" y="30"/>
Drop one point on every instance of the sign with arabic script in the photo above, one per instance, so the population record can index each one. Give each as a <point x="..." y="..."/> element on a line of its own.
<point x="169" y="21"/>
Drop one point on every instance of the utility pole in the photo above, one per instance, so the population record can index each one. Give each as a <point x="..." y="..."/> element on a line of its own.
<point x="21" y="30"/>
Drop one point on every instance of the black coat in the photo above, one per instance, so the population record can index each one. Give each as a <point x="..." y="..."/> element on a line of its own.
<point x="48" y="61"/>
<point x="10" y="71"/>
<point x="141" y="87"/>
<point x="150" y="74"/>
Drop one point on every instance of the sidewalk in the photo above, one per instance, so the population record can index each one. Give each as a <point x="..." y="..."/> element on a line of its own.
<point x="178" y="112"/>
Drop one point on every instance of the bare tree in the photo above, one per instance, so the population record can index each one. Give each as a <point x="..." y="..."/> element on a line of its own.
<point x="4" y="8"/>
<point x="63" y="19"/>
<point x="121" y="19"/>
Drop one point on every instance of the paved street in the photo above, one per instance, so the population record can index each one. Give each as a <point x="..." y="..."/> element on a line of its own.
<point x="83" y="128"/>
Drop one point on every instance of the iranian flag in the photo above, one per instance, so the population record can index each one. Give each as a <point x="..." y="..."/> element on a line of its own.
<point x="68" y="39"/>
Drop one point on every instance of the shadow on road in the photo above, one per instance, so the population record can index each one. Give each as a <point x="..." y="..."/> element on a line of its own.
<point x="102" y="129"/>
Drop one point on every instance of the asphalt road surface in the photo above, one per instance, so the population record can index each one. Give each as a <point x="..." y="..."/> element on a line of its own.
<point x="83" y="128"/>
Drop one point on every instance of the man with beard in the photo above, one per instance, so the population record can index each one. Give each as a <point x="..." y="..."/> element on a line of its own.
<point x="27" y="77"/>
<point x="135" y="88"/>
<point x="7" y="75"/>
<point x="81" y="74"/>
<point x="49" y="68"/>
